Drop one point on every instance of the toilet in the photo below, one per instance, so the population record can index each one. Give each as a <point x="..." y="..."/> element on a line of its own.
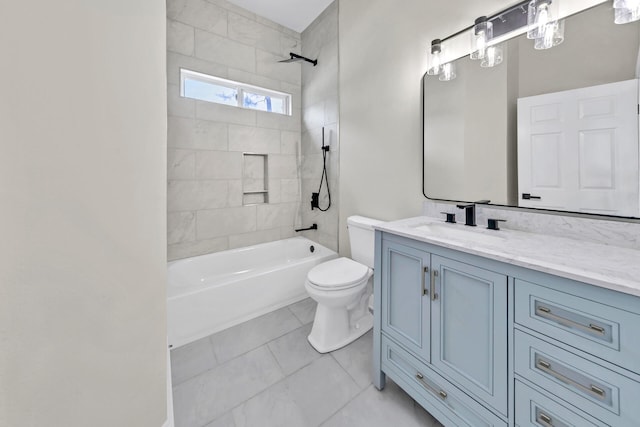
<point x="342" y="288"/>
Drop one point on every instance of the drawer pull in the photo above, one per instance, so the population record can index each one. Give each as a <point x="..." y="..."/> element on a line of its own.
<point x="546" y="313"/>
<point x="434" y="295"/>
<point x="593" y="390"/>
<point x="428" y="386"/>
<point x="545" y="365"/>
<point x="597" y="390"/>
<point x="424" y="285"/>
<point x="443" y="395"/>
<point x="544" y="418"/>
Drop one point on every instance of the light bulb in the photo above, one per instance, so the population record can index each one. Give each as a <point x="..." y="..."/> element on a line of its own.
<point x="448" y="72"/>
<point x="481" y="35"/>
<point x="552" y="34"/>
<point x="492" y="57"/>
<point x="538" y="16"/>
<point x="435" y="58"/>
<point x="626" y="11"/>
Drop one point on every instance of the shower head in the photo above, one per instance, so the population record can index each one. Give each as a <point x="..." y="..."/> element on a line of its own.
<point x="296" y="58"/>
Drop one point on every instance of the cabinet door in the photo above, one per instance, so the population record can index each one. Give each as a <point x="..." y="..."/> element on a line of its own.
<point x="469" y="329"/>
<point x="405" y="308"/>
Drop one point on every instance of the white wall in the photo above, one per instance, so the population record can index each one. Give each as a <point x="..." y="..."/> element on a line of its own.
<point x="82" y="187"/>
<point x="383" y="53"/>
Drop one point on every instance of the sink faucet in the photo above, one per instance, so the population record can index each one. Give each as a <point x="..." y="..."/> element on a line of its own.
<point x="470" y="212"/>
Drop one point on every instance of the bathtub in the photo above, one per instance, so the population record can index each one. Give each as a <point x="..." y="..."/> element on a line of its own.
<point x="209" y="293"/>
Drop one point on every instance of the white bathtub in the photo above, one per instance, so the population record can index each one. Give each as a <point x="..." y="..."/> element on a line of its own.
<point x="209" y="293"/>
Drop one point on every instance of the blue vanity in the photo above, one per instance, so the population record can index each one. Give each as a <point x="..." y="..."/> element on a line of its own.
<point x="506" y="328"/>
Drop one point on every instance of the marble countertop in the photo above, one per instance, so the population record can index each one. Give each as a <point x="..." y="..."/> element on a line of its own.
<point x="601" y="265"/>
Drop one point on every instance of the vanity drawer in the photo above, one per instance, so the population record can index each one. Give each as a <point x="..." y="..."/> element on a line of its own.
<point x="428" y="387"/>
<point x="598" y="391"/>
<point x="534" y="409"/>
<point x="599" y="329"/>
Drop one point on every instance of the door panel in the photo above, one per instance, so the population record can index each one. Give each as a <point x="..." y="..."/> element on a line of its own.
<point x="578" y="150"/>
<point x="469" y="329"/>
<point x="405" y="310"/>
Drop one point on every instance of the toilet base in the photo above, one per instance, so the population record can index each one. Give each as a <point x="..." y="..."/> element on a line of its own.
<point x="332" y="334"/>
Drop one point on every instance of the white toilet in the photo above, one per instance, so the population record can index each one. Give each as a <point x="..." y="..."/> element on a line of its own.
<point x="342" y="288"/>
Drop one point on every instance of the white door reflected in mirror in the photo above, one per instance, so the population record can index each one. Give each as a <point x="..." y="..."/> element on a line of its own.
<point x="578" y="150"/>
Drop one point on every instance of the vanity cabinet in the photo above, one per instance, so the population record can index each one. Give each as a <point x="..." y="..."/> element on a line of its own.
<point x="449" y="317"/>
<point x="479" y="342"/>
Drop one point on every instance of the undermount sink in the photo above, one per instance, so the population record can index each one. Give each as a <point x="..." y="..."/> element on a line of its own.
<point x="468" y="234"/>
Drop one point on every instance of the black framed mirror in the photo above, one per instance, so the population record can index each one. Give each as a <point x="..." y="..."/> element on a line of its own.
<point x="552" y="129"/>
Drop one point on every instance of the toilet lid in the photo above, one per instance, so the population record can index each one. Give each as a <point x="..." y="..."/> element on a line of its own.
<point x="338" y="273"/>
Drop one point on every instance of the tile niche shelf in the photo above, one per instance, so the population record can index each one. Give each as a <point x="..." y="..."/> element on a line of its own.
<point x="255" y="179"/>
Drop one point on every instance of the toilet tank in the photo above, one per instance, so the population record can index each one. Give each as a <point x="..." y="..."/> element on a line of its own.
<point x="362" y="238"/>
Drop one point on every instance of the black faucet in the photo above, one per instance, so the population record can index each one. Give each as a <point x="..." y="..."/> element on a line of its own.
<point x="470" y="211"/>
<point x="469" y="214"/>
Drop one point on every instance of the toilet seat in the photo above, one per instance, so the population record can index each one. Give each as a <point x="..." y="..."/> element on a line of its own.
<point x="338" y="274"/>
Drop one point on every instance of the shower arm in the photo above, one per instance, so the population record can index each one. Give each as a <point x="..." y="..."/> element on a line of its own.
<point x="294" y="57"/>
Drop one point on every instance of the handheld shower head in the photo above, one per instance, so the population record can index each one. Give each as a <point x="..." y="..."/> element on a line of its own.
<point x="296" y="58"/>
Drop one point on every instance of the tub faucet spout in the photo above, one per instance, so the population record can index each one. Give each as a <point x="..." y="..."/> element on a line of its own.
<point x="313" y="227"/>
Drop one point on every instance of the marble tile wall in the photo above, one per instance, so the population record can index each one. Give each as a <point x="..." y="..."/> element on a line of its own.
<point x="206" y="141"/>
<point x="320" y="109"/>
<point x="625" y="234"/>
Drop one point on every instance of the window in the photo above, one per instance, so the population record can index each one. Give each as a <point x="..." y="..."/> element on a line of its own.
<point x="227" y="92"/>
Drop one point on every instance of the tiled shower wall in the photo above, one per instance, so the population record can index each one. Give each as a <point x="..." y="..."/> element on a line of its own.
<point x="320" y="108"/>
<point x="206" y="141"/>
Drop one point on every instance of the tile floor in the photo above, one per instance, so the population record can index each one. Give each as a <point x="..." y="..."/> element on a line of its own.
<point x="263" y="373"/>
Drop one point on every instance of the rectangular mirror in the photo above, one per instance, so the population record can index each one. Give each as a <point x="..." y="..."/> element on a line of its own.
<point x="550" y="129"/>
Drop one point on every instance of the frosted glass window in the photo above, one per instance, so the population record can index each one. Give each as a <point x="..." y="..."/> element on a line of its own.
<point x="227" y="92"/>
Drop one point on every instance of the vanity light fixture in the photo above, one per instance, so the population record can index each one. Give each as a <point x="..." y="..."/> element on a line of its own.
<point x="542" y="25"/>
<point x="626" y="11"/>
<point x="480" y="36"/>
<point x="538" y="18"/>
<point x="434" y="58"/>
